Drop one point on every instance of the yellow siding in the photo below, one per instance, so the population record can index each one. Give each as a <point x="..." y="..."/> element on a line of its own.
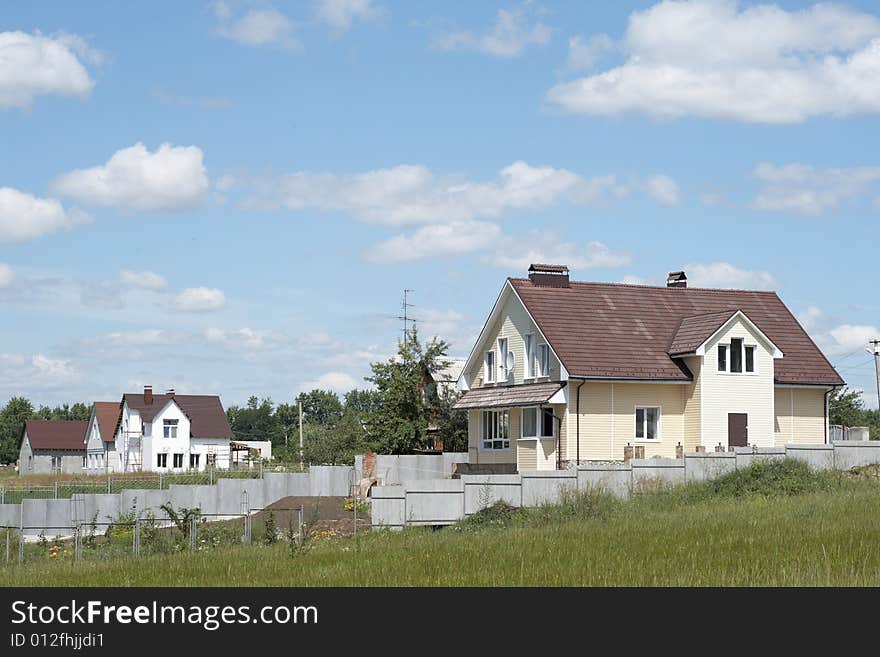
<point x="527" y="457"/>
<point x="513" y="323"/>
<point x="724" y="393"/>
<point x="800" y="416"/>
<point x="692" y="410"/>
<point x="604" y="434"/>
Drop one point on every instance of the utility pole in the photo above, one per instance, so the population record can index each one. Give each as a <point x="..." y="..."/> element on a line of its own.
<point x="300" y="434"/>
<point x="876" y="345"/>
<point x="405" y="317"/>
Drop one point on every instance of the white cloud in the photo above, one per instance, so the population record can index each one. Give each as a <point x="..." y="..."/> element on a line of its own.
<point x="632" y="279"/>
<point x="139" y="338"/>
<point x="25" y="374"/>
<point x="519" y="252"/>
<point x="246" y="338"/>
<point x="34" y="65"/>
<point x="342" y="13"/>
<point x="810" y="318"/>
<point x="662" y="189"/>
<point x="435" y="241"/>
<point x="513" y="31"/>
<point x="257" y="27"/>
<point x="7" y="275"/>
<point x="412" y="194"/>
<point x="719" y="59"/>
<point x="583" y="54"/>
<point x="851" y="337"/>
<point x="724" y="275"/>
<point x="199" y="299"/>
<point x="148" y="280"/>
<point x="338" y="382"/>
<point x="172" y="178"/>
<point x="803" y="189"/>
<point x="25" y="217"/>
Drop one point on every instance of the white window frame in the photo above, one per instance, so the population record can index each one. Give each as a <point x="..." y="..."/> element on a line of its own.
<point x="500" y="422"/>
<point x="503" y="350"/>
<point x="658" y="434"/>
<point x="539" y="423"/>
<point x="195" y="457"/>
<point x="531" y="366"/>
<point x="174" y="456"/>
<point x="728" y="360"/>
<point x="162" y="460"/>
<point x="543" y="360"/>
<point x="489" y="370"/>
<point x="172" y="425"/>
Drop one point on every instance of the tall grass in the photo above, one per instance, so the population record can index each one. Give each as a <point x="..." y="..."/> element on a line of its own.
<point x="779" y="525"/>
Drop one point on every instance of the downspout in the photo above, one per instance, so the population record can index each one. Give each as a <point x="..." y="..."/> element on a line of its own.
<point x="825" y="412"/>
<point x="577" y="421"/>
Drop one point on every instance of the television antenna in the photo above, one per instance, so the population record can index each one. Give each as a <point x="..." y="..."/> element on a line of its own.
<point x="405" y="306"/>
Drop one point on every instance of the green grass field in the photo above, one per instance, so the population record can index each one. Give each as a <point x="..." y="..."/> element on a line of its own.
<point x="776" y="526"/>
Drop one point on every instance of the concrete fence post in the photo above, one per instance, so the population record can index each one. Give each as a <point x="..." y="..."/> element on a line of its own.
<point x="77" y="542"/>
<point x="137" y="538"/>
<point x="160" y="481"/>
<point x="2" y="494"/>
<point x="56" y="490"/>
<point x="108" y="484"/>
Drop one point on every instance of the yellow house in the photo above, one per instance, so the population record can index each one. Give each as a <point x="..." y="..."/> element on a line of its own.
<point x="566" y="371"/>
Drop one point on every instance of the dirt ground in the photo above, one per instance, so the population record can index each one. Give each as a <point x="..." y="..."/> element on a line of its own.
<point x="327" y="513"/>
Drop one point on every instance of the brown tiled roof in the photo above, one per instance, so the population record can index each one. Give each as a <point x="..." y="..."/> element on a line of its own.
<point x="508" y="396"/>
<point x="108" y="418"/>
<point x="694" y="331"/>
<point x="612" y="330"/>
<point x="205" y="412"/>
<point x="57" y="434"/>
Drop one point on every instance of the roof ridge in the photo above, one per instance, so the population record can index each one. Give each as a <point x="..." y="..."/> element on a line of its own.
<point x="653" y="287"/>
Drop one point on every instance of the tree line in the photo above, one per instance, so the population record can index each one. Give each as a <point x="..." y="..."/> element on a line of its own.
<point x="846" y="407"/>
<point x="395" y="416"/>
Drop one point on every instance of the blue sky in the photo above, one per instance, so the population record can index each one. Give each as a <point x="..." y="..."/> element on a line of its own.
<point x="230" y="197"/>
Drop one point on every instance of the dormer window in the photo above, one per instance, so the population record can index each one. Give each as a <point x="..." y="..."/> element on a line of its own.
<point x="544" y="360"/>
<point x="502" y="358"/>
<point x="736" y="357"/>
<point x="529" y="340"/>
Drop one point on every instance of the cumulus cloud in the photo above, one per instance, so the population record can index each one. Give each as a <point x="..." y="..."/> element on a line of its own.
<point x="243" y="338"/>
<point x="725" y="275"/>
<point x="35" y="372"/>
<point x="412" y="194"/>
<point x="806" y="190"/>
<point x="662" y="189"/>
<point x="584" y="53"/>
<point x="256" y="27"/>
<point x="7" y="275"/>
<point x="513" y="31"/>
<point x="25" y="217"/>
<point x="517" y="253"/>
<point x="34" y="65"/>
<point x="720" y="59"/>
<point x="148" y="280"/>
<point x="338" y="382"/>
<point x="342" y="13"/>
<point x="171" y="178"/>
<point x="435" y="241"/>
<point x="199" y="299"/>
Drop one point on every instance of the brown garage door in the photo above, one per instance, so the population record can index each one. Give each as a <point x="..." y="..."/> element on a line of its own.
<point x="737" y="429"/>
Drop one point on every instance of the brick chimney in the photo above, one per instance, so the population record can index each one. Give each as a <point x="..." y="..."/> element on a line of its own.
<point x="676" y="279"/>
<point x="549" y="275"/>
<point x="148" y="395"/>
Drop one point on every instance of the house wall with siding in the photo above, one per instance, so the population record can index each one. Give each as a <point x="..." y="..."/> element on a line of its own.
<point x="478" y="455"/>
<point x="750" y="393"/>
<point x="800" y="416"/>
<point x="692" y="406"/>
<point x="513" y="323"/>
<point x="606" y="430"/>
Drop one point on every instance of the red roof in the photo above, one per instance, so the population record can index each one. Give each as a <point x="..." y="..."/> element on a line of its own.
<point x="57" y="434"/>
<point x="108" y="417"/>
<point x="694" y="331"/>
<point x="614" y="330"/>
<point x="205" y="412"/>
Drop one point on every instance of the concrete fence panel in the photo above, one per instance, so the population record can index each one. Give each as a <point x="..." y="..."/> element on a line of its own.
<point x="546" y="486"/>
<point x="615" y="478"/>
<point x="700" y="466"/>
<point x="648" y="473"/>
<point x="434" y="502"/>
<point x="10" y="514"/>
<point x="745" y="456"/>
<point x="818" y="457"/>
<point x="330" y="480"/>
<point x="274" y="487"/>
<point x="58" y="520"/>
<point x="298" y="485"/>
<point x="481" y="491"/>
<point x="33" y="515"/>
<point x="388" y="508"/>
<point x="182" y="496"/>
<point x="852" y="453"/>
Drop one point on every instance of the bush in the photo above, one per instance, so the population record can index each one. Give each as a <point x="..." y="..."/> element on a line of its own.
<point x="499" y="515"/>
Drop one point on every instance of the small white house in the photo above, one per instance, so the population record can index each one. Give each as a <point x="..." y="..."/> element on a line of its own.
<point x="172" y="433"/>
<point x="100" y="439"/>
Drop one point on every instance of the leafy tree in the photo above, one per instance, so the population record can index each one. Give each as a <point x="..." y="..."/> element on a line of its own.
<point x="321" y="407"/>
<point x="256" y="421"/>
<point x="846" y="407"/>
<point x="452" y="424"/>
<point x="12" y="419"/>
<point x="405" y="401"/>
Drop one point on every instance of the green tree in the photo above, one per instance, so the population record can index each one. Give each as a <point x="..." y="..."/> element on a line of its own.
<point x="255" y="421"/>
<point x="12" y="419"/>
<point x="846" y="407"/>
<point x="321" y="407"/>
<point x="405" y="402"/>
